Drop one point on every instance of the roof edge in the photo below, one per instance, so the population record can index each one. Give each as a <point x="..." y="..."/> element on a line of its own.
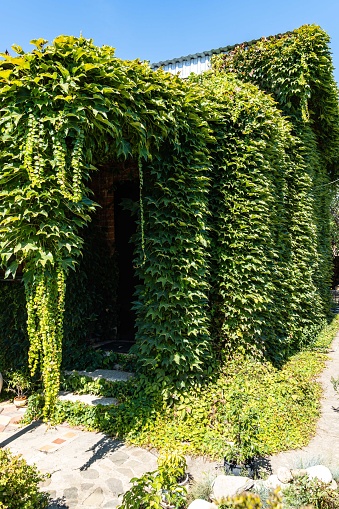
<point x="224" y="49"/>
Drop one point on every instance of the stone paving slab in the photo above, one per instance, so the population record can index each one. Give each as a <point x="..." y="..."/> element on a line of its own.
<point x="88" y="399"/>
<point x="4" y="420"/>
<point x="112" y="375"/>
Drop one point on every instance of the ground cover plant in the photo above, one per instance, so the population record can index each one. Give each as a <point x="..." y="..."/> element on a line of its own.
<point x="280" y="406"/>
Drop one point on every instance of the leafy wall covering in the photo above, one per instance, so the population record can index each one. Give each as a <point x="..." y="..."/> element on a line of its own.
<point x="233" y="228"/>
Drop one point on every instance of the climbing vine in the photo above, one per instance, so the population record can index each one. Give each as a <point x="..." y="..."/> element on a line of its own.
<point x="296" y="69"/>
<point x="232" y="244"/>
<point x="65" y="109"/>
<point x="45" y="307"/>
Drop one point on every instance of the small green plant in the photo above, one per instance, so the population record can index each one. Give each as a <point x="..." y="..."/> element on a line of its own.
<point x="34" y="409"/>
<point x="18" y="382"/>
<point x="19" y="483"/>
<point x="243" y="421"/>
<point x="252" y="501"/>
<point x="160" y="488"/>
<point x="335" y="383"/>
<point x="305" y="491"/>
<point x="172" y="466"/>
<point x="264" y="492"/>
<point x="201" y="489"/>
<point x="145" y="493"/>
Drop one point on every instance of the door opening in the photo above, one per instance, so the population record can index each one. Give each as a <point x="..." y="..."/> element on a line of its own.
<point x="125" y="228"/>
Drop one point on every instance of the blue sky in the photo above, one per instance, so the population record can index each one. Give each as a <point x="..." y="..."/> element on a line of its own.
<point x="159" y="30"/>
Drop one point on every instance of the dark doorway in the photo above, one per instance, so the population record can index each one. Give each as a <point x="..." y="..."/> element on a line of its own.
<point x="125" y="227"/>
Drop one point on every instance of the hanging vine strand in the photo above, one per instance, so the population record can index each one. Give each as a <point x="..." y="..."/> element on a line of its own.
<point x="142" y="223"/>
<point x="45" y="308"/>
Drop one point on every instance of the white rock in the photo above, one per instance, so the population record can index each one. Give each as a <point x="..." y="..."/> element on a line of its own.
<point x="229" y="485"/>
<point x="284" y="475"/>
<point x="334" y="485"/>
<point x="320" y="472"/>
<point x="201" y="504"/>
<point x="272" y="482"/>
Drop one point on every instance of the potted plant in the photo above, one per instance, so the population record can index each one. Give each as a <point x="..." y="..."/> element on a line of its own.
<point x="244" y="447"/>
<point x="172" y="465"/>
<point x="172" y="471"/>
<point x="19" y="383"/>
<point x="237" y="463"/>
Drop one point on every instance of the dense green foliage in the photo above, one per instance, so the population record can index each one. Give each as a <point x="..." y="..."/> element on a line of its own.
<point x="279" y="407"/>
<point x="296" y="69"/>
<point x="19" y="484"/>
<point x="68" y="107"/>
<point x="274" y="196"/>
<point x="233" y="239"/>
<point x="311" y="493"/>
<point x="264" y="266"/>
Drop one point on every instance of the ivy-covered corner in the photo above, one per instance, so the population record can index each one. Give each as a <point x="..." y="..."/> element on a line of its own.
<point x="273" y="234"/>
<point x="65" y="109"/>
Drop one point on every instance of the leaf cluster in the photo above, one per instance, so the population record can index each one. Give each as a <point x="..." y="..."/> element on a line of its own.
<point x="19" y="483"/>
<point x="314" y="492"/>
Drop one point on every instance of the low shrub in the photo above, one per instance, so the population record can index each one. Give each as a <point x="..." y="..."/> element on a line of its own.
<point x="252" y="501"/>
<point x="310" y="492"/>
<point x="159" y="488"/>
<point x="19" y="483"/>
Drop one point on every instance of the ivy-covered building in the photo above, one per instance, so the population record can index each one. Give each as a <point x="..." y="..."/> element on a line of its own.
<point x="213" y="197"/>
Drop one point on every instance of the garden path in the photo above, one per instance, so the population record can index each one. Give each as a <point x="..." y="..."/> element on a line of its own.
<point x="88" y="470"/>
<point x="324" y="447"/>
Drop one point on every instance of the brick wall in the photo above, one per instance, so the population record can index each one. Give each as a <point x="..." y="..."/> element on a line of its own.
<point x="103" y="184"/>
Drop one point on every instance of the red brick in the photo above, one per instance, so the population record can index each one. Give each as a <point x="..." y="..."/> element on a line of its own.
<point x="58" y="441"/>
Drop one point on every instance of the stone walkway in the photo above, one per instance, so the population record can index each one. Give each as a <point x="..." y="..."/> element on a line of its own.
<point x="324" y="447"/>
<point x="88" y="469"/>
